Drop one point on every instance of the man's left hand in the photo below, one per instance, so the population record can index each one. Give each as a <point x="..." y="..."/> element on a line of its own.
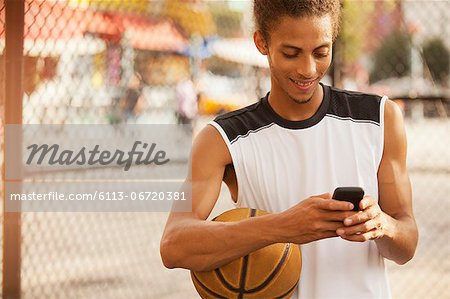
<point x="369" y="223"/>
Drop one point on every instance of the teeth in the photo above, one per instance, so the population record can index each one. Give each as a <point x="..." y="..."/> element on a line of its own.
<point x="303" y="84"/>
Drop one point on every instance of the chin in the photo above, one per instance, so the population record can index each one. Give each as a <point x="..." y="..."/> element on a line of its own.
<point x="301" y="101"/>
<point x="302" y="98"/>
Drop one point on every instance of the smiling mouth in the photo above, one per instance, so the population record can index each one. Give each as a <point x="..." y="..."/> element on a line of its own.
<point x="303" y="84"/>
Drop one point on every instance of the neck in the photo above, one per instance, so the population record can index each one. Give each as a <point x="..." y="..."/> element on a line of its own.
<point x="291" y="110"/>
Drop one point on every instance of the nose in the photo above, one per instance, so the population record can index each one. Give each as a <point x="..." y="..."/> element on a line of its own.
<point x="306" y="67"/>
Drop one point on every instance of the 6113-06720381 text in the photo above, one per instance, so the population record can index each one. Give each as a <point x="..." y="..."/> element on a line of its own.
<point x="145" y="195"/>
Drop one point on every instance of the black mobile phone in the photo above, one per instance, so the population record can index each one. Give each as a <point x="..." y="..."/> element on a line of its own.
<point x="350" y="194"/>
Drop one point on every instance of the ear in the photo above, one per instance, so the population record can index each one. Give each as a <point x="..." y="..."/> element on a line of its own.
<point x="260" y="42"/>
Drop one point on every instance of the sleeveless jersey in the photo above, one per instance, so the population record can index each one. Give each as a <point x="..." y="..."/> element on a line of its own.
<point x="279" y="162"/>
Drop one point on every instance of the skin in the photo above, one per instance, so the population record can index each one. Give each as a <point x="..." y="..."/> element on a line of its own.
<point x="297" y="54"/>
<point x="191" y="242"/>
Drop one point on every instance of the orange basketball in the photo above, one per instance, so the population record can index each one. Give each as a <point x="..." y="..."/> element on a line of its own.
<point x="270" y="272"/>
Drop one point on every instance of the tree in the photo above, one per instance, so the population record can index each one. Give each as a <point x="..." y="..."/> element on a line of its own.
<point x="393" y="57"/>
<point x="437" y="58"/>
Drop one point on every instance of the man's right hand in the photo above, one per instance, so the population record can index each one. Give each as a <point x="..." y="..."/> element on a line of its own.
<point x="315" y="218"/>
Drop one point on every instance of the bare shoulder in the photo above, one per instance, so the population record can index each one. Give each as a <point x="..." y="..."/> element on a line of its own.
<point x="209" y="146"/>
<point x="209" y="158"/>
<point x="392" y="114"/>
<point x="394" y="130"/>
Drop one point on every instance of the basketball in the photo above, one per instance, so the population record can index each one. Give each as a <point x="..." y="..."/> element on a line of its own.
<point x="270" y="272"/>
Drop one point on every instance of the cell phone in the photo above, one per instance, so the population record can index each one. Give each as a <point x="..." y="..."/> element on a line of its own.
<point x="350" y="194"/>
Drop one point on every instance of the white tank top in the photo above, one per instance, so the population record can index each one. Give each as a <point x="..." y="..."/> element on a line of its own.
<point x="279" y="162"/>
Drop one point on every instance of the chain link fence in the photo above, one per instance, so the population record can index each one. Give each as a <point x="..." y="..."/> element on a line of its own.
<point x="402" y="49"/>
<point x="111" y="62"/>
<point x="2" y="123"/>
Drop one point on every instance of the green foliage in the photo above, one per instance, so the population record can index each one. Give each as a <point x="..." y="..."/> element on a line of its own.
<point x="437" y="58"/>
<point x="393" y="57"/>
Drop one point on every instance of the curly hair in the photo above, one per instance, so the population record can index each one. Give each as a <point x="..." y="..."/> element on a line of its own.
<point x="268" y="12"/>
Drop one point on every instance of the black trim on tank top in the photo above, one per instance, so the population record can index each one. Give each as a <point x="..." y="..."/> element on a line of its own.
<point x="300" y="124"/>
<point x="242" y="122"/>
<point x="339" y="104"/>
<point x="354" y="106"/>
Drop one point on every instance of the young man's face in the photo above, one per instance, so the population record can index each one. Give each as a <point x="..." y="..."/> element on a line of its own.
<point x="299" y="52"/>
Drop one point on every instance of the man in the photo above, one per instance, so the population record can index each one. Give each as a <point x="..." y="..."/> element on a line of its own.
<point x="187" y="107"/>
<point x="302" y="139"/>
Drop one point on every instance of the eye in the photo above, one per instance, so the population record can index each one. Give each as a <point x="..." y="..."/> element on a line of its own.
<point x="321" y="54"/>
<point x="289" y="55"/>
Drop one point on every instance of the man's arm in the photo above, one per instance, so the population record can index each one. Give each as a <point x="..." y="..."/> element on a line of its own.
<point x="391" y="222"/>
<point x="191" y="242"/>
<point x="394" y="185"/>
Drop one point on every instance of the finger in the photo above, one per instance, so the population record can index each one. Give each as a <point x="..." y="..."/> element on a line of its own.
<point x="372" y="235"/>
<point x="339" y="216"/>
<point x="366" y="202"/>
<point x="331" y="226"/>
<point x="360" y="228"/>
<point x="362" y="216"/>
<point x="335" y="205"/>
<point x="328" y="234"/>
<point x="324" y="196"/>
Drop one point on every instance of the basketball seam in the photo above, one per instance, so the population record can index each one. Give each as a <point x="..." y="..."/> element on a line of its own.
<point x="290" y="290"/>
<point x="222" y="278"/>
<point x="225" y="282"/>
<point x="274" y="272"/>
<point x="218" y="296"/>
<point x="243" y="276"/>
<point x="244" y="267"/>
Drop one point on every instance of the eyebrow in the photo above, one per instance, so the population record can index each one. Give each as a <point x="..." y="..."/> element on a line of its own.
<point x="300" y="49"/>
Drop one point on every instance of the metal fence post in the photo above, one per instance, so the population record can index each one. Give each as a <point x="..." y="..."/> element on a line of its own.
<point x="14" y="36"/>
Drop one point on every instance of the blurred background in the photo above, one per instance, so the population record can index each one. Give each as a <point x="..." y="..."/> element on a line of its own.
<point x="186" y="61"/>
